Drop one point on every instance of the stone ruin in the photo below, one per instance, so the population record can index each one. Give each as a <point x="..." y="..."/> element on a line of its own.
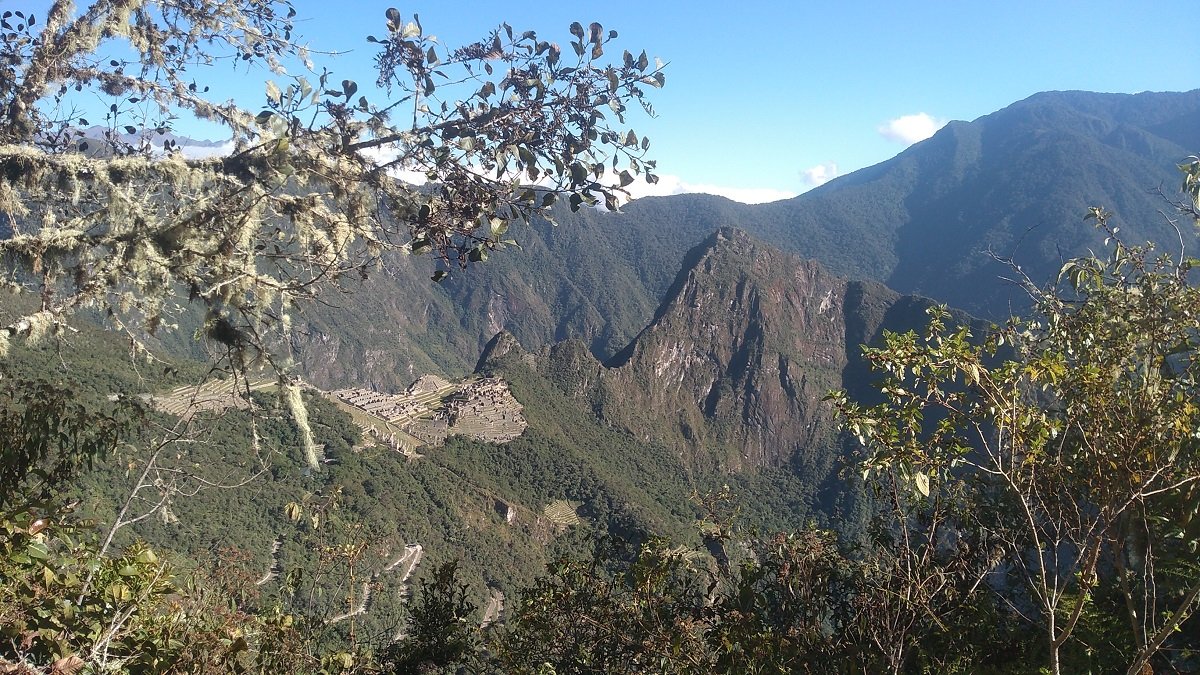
<point x="432" y="409"/>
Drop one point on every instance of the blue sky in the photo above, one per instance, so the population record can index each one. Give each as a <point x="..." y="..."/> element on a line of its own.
<point x="764" y="99"/>
<point x="760" y="94"/>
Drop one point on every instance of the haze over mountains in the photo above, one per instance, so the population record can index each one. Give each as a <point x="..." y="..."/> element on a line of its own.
<point x="1016" y="183"/>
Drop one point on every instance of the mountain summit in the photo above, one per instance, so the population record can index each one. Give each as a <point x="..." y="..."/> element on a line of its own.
<point x="730" y="374"/>
<point x="1014" y="184"/>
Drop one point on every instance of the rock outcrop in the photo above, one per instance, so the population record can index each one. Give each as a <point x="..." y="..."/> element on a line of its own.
<point x="733" y="368"/>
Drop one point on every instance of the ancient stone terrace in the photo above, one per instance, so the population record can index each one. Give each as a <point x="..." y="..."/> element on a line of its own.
<point x="428" y="384"/>
<point x="211" y="396"/>
<point x="485" y="409"/>
<point x="432" y="409"/>
<point x="389" y="407"/>
<point x="428" y="412"/>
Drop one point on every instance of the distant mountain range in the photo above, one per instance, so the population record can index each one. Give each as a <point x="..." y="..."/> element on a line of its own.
<point x="686" y="343"/>
<point x="93" y="141"/>
<point x="1012" y="184"/>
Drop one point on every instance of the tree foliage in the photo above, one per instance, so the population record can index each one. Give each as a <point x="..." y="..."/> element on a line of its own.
<point x="63" y="608"/>
<point x="440" y="629"/>
<point x="311" y="191"/>
<point x="47" y="434"/>
<point x="1074" y="459"/>
<point x="797" y="602"/>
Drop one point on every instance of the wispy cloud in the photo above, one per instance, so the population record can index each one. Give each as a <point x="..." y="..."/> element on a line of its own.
<point x="820" y="174"/>
<point x="385" y="154"/>
<point x="667" y="184"/>
<point x="909" y="129"/>
<point x="674" y="185"/>
<point x="205" y="151"/>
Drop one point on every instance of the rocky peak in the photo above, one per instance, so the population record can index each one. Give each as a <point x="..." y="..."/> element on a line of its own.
<point x="740" y="353"/>
<point x="501" y="344"/>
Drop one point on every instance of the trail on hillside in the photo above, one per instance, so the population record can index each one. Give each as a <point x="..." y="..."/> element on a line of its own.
<point x="494" y="612"/>
<point x="364" y="597"/>
<point x="274" y="569"/>
<point x="406" y="564"/>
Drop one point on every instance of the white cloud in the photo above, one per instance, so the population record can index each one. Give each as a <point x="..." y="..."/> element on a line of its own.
<point x="909" y="129"/>
<point x="204" y="152"/>
<point x="385" y="154"/>
<point x="674" y="185"/>
<point x="667" y="184"/>
<point x="820" y="174"/>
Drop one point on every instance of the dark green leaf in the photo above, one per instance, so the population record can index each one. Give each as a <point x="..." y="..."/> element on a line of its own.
<point x="578" y="173"/>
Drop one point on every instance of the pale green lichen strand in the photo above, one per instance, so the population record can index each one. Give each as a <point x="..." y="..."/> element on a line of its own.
<point x="299" y="413"/>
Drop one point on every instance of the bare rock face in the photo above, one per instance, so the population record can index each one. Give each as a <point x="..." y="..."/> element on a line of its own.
<point x="741" y="353"/>
<point x="731" y="371"/>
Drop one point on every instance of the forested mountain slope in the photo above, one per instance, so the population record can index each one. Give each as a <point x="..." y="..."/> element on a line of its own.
<point x="722" y="387"/>
<point x="730" y="374"/>
<point x="1016" y="183"/>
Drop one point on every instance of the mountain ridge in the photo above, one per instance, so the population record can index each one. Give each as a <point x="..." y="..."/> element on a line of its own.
<point x="730" y="375"/>
<point x="931" y="221"/>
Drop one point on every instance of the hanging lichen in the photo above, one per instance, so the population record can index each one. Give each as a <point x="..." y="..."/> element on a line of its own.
<point x="295" y="405"/>
<point x="117" y="221"/>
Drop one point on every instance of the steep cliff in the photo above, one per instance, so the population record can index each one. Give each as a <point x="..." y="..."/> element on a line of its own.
<point x="730" y="374"/>
<point x="928" y="221"/>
